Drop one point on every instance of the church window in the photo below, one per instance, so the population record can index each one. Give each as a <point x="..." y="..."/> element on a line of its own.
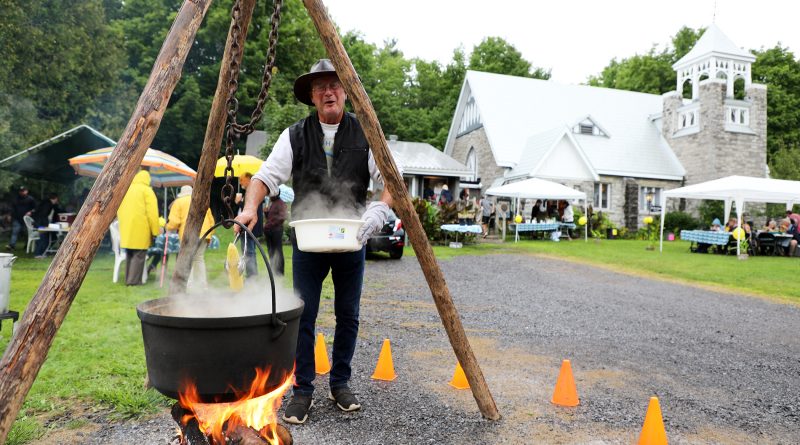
<point x="472" y="164"/>
<point x="602" y="196"/>
<point x="649" y="197"/>
<point x="586" y="129"/>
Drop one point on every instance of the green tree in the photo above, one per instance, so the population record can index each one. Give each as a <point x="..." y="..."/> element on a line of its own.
<point x="650" y="72"/>
<point x="785" y="163"/>
<point x="48" y="63"/>
<point x="495" y="55"/>
<point x="778" y="68"/>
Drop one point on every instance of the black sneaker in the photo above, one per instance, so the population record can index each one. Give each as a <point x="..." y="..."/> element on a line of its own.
<point x="344" y="398"/>
<point x="297" y="410"/>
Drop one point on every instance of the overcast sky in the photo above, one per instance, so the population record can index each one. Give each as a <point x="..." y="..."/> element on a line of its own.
<point x="574" y="38"/>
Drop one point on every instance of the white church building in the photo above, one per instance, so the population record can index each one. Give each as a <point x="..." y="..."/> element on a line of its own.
<point x="622" y="148"/>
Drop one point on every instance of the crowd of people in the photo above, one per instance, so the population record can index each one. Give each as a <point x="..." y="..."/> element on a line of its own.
<point x="778" y="236"/>
<point x="139" y="224"/>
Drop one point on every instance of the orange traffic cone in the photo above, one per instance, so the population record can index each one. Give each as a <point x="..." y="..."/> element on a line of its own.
<point x="653" y="432"/>
<point x="459" y="378"/>
<point x="385" y="368"/>
<point x="321" y="363"/>
<point x="565" y="393"/>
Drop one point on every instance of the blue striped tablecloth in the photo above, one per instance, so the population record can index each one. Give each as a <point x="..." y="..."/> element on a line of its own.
<point x="474" y="228"/>
<point x="706" y="236"/>
<point x="540" y="227"/>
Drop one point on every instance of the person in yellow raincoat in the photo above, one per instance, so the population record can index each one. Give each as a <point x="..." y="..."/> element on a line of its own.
<point x="178" y="214"/>
<point x="138" y="224"/>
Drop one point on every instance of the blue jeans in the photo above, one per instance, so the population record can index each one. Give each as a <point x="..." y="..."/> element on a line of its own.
<point x="309" y="271"/>
<point x="16" y="228"/>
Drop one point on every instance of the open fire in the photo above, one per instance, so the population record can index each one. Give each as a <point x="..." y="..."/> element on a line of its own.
<point x="251" y="418"/>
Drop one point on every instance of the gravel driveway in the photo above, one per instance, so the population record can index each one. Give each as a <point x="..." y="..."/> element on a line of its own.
<point x="726" y="368"/>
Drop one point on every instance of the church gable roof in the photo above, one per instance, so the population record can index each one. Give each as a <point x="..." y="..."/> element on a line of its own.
<point x="714" y="42"/>
<point x="422" y="158"/>
<point x="512" y="109"/>
<point x="553" y="154"/>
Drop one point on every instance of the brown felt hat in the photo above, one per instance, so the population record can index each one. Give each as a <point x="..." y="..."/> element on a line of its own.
<point x="302" y="86"/>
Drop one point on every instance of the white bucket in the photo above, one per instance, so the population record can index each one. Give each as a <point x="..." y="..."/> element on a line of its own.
<point x="6" y="260"/>
<point x="327" y="234"/>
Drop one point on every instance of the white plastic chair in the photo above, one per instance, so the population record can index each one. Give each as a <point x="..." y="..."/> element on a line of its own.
<point x="119" y="253"/>
<point x="33" y="234"/>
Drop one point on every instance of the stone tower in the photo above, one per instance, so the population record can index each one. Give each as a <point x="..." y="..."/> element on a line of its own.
<point x="719" y="128"/>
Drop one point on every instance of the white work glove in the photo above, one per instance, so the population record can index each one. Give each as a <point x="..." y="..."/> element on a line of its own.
<point x="375" y="217"/>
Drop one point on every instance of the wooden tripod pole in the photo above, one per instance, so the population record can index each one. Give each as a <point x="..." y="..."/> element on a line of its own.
<point x="215" y="129"/>
<point x="45" y="313"/>
<point x="402" y="203"/>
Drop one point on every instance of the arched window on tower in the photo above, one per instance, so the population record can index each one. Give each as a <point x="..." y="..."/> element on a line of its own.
<point x="686" y="89"/>
<point x="738" y="88"/>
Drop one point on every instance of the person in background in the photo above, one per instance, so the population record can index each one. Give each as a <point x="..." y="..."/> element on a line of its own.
<point x="249" y="244"/>
<point x="771" y="226"/>
<point x="44" y="215"/>
<point x="730" y="225"/>
<point x="275" y="216"/>
<point x="138" y="224"/>
<point x="23" y="205"/>
<point x="429" y="195"/>
<point x="790" y="228"/>
<point x="487" y="209"/>
<point x="536" y="211"/>
<point x="466" y="208"/>
<point x="328" y="158"/>
<point x="716" y="225"/>
<point x="445" y="197"/>
<point x="178" y="213"/>
<point x="568" y="216"/>
<point x="794" y="217"/>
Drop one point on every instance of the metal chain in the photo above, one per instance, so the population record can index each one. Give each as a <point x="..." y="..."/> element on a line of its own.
<point x="235" y="130"/>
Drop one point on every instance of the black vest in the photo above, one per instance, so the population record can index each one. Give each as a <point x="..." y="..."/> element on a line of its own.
<point x="345" y="190"/>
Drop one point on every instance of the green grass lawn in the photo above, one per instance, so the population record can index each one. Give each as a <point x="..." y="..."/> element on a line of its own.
<point x="97" y="362"/>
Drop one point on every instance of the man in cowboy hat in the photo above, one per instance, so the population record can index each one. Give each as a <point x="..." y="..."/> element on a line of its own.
<point x="328" y="158"/>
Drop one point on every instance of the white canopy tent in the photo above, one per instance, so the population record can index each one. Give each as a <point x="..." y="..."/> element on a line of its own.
<point x="535" y="188"/>
<point x="737" y="189"/>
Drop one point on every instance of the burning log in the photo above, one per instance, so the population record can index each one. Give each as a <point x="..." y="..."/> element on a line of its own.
<point x="190" y="433"/>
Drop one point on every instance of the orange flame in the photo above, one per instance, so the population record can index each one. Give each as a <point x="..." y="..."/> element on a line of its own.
<point x="258" y="412"/>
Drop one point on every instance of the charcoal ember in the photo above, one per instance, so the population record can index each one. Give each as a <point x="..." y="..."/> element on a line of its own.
<point x="191" y="431"/>
<point x="242" y="435"/>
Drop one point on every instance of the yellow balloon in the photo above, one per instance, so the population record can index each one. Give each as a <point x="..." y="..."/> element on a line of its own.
<point x="648" y="220"/>
<point x="738" y="233"/>
<point x="582" y="220"/>
<point x="518" y="219"/>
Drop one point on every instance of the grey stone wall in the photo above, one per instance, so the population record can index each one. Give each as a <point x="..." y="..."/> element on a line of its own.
<point x="714" y="151"/>
<point x="488" y="170"/>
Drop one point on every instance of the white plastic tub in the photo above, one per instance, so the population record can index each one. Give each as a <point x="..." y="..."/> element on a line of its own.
<point x="327" y="234"/>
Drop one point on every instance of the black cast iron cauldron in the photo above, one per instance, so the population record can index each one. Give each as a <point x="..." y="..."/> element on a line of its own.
<point x="218" y="355"/>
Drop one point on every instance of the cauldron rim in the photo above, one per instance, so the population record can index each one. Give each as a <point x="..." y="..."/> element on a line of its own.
<point x="144" y="311"/>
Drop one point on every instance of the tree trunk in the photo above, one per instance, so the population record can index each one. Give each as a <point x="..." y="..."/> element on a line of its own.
<point x="402" y="203"/>
<point x="215" y="129"/>
<point x="45" y="313"/>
